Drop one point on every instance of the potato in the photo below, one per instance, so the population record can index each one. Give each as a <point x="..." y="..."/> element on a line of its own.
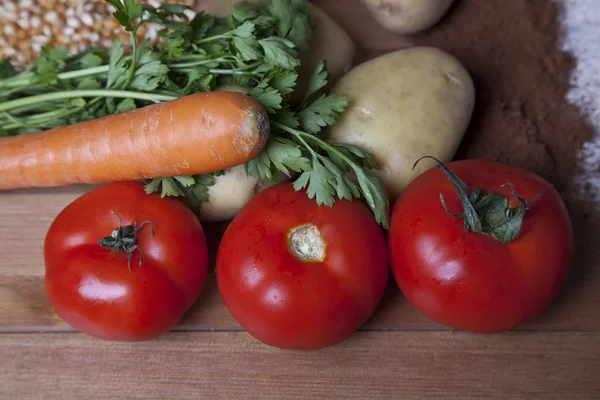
<point x="230" y="193"/>
<point x="407" y="16"/>
<point x="329" y="41"/>
<point x="404" y="105"/>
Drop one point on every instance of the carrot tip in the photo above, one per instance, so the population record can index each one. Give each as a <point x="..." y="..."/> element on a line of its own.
<point x="262" y="123"/>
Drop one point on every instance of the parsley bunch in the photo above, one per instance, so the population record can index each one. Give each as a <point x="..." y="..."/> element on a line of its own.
<point x="256" y="47"/>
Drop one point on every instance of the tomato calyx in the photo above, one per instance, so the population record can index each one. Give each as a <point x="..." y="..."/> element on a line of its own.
<point x="124" y="238"/>
<point x="487" y="213"/>
<point x="306" y="243"/>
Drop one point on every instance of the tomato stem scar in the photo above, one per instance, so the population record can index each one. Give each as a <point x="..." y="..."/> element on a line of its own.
<point x="123" y="238"/>
<point x="306" y="243"/>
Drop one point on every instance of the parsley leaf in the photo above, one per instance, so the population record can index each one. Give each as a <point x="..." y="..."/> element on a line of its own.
<point x="201" y="24"/>
<point x="283" y="10"/>
<point x="6" y="69"/>
<point x="356" y="154"/>
<point x="175" y="48"/>
<point x="148" y="73"/>
<point x="126" y="12"/>
<point x="284" y="81"/>
<point x="375" y="195"/>
<point x="244" y="11"/>
<point x="299" y="32"/>
<point x="50" y="63"/>
<point x="176" y="9"/>
<point x="321" y="183"/>
<point x="261" y="166"/>
<point x="318" y="80"/>
<point x="285" y="156"/>
<point x="116" y="66"/>
<point x="247" y="48"/>
<point x="125" y="105"/>
<point x="89" y="83"/>
<point x="91" y="60"/>
<point x="267" y="96"/>
<point x="279" y="52"/>
<point x="198" y="80"/>
<point x="286" y="117"/>
<point x="321" y="113"/>
<point x="245" y="30"/>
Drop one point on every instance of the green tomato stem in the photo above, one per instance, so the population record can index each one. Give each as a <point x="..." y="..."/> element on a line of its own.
<point x="486" y="213"/>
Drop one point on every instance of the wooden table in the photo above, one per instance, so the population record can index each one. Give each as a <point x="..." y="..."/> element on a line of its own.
<point x="397" y="354"/>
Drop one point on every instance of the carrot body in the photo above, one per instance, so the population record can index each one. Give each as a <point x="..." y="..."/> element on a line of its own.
<point x="199" y="133"/>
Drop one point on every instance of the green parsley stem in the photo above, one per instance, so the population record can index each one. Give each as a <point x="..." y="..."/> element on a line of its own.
<point x="40" y="107"/>
<point x="37" y="119"/>
<point x="226" y="35"/>
<point x="297" y="134"/>
<point x="198" y="63"/>
<point x="232" y="72"/>
<point x="15" y="121"/>
<point x="124" y="94"/>
<point x="200" y="57"/>
<point x="133" y="58"/>
<point x="320" y="142"/>
<point x="17" y="82"/>
<point x="26" y="81"/>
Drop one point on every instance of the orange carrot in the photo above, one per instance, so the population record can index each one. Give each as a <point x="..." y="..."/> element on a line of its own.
<point x="199" y="133"/>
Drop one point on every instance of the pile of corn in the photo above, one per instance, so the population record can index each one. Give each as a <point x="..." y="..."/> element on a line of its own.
<point x="27" y="25"/>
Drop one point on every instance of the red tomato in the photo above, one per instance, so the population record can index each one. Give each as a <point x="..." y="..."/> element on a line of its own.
<point x="285" y="301"/>
<point x="471" y="281"/>
<point x="92" y="288"/>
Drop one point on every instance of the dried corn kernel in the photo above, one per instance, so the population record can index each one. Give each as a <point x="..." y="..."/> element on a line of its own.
<point x="75" y="24"/>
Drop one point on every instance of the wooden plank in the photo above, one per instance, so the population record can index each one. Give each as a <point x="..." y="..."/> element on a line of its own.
<point x="25" y="216"/>
<point x="412" y="365"/>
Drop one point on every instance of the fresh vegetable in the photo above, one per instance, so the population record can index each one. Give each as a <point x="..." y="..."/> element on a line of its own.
<point x="420" y="103"/>
<point x="480" y="246"/>
<point x="407" y="16"/>
<point x="199" y="133"/>
<point x="230" y="192"/>
<point x="330" y="42"/>
<point x="326" y="40"/>
<point x="123" y="265"/>
<point x="300" y="276"/>
<point x="255" y="46"/>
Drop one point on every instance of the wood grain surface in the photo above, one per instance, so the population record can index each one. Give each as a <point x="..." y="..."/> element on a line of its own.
<point x="397" y="354"/>
<point x="231" y="365"/>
